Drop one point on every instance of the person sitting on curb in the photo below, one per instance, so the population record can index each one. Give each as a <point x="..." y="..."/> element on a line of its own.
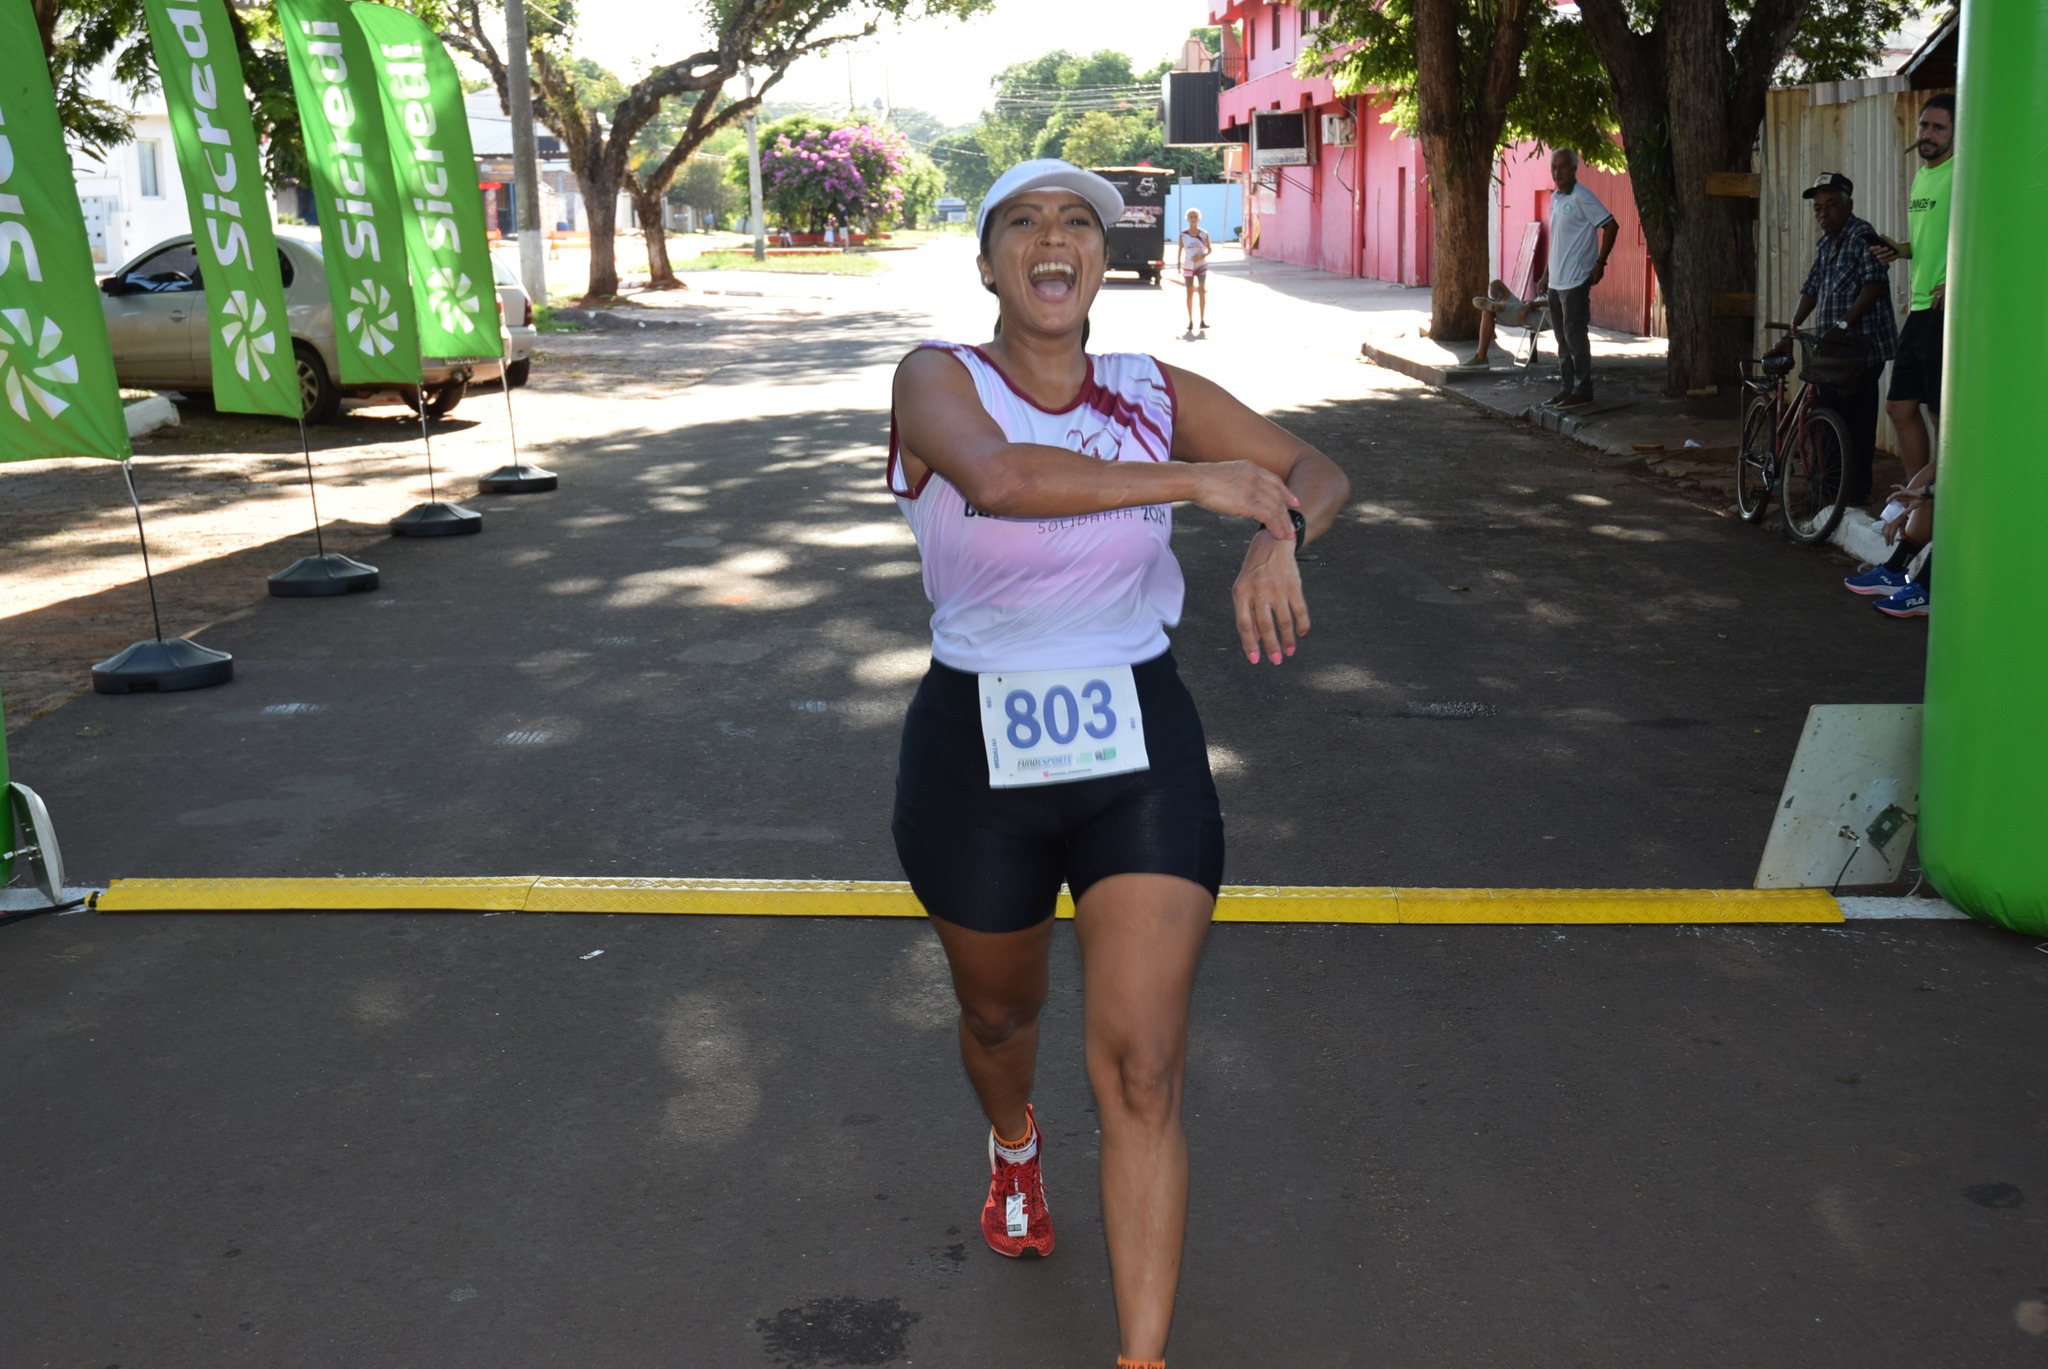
<point x="1498" y="306"/>
<point x="1908" y="527"/>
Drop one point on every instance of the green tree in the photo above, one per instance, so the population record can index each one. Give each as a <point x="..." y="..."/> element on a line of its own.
<point x="1099" y="138"/>
<point x="763" y="36"/>
<point x="921" y="127"/>
<point x="1688" y="80"/>
<point x="706" y="186"/>
<point x="78" y="36"/>
<point x="81" y="35"/>
<point x="922" y="183"/>
<point x="1467" y="78"/>
<point x="787" y="209"/>
<point x="966" y="164"/>
<point x="1058" y="86"/>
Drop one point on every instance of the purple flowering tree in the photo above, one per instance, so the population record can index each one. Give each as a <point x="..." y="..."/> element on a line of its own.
<point x="823" y="176"/>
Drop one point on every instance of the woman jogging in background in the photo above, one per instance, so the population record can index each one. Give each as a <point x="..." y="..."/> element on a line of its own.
<point x="1052" y="740"/>
<point x="1192" y="261"/>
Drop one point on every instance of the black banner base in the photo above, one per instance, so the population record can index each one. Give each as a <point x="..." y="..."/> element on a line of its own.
<point x="518" y="479"/>
<point x="437" y="520"/>
<point x="318" y="577"/>
<point x="159" y="666"/>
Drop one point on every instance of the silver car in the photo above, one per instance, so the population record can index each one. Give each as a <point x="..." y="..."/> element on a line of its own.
<point x="518" y="311"/>
<point x="156" y="317"/>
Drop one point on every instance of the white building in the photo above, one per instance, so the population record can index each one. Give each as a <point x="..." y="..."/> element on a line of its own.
<point x="134" y="198"/>
<point x="561" y="194"/>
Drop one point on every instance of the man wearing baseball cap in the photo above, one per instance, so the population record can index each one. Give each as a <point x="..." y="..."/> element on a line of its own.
<point x="1848" y="286"/>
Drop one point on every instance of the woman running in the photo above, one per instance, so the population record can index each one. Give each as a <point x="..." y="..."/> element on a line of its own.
<point x="1191" y="258"/>
<point x="1052" y="740"/>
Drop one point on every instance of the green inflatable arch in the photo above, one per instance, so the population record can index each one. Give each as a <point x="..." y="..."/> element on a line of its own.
<point x="1984" y="762"/>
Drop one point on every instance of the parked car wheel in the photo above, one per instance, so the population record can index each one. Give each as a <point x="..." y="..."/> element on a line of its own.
<point x="440" y="400"/>
<point x="318" y="396"/>
<point x="516" y="372"/>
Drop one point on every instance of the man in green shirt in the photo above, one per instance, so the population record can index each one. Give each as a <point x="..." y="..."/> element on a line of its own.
<point x="1916" y="374"/>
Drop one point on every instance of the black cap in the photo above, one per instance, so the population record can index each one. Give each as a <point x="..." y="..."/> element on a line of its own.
<point x="1829" y="180"/>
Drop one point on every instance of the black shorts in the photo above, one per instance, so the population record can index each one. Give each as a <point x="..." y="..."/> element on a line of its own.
<point x="1916" y="373"/>
<point x="993" y="860"/>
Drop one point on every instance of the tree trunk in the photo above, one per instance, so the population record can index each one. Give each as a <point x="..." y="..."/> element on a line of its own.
<point x="1458" y="199"/>
<point x="601" y="212"/>
<point x="1714" y="254"/>
<point x="1459" y="128"/>
<point x="1690" y="95"/>
<point x="648" y="205"/>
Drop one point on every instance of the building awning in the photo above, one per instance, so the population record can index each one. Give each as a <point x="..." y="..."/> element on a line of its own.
<point x="1933" y="67"/>
<point x="1276" y="90"/>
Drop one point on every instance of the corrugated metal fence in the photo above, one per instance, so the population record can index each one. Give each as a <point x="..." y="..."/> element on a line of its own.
<point x="1863" y="129"/>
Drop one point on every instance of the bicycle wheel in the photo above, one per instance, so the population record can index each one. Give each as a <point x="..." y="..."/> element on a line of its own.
<point x="1815" y="484"/>
<point x="1753" y="464"/>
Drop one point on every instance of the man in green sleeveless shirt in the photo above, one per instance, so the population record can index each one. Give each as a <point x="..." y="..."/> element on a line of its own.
<point x="1916" y="374"/>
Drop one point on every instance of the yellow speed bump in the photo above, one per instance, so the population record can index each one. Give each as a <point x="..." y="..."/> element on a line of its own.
<point x="888" y="898"/>
<point x="502" y="894"/>
<point x="1555" y="906"/>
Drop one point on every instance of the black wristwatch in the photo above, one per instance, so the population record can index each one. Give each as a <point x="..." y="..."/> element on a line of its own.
<point x="1300" y="528"/>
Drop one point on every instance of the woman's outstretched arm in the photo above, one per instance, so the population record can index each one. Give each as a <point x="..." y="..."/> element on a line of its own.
<point x="942" y="425"/>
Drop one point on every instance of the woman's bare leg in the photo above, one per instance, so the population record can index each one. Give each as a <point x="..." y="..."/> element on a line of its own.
<point x="1000" y="979"/>
<point x="1189" y="282"/>
<point x="1202" y="288"/>
<point x="1141" y="937"/>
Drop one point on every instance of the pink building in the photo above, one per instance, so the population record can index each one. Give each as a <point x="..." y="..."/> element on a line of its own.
<point x="1328" y="185"/>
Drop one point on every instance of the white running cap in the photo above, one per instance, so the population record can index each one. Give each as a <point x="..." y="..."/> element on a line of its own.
<point x="1050" y="173"/>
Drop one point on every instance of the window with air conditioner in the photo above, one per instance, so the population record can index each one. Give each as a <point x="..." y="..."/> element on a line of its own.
<point x="1280" y="139"/>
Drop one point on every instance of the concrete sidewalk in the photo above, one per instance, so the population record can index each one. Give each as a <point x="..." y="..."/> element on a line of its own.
<point x="1690" y="440"/>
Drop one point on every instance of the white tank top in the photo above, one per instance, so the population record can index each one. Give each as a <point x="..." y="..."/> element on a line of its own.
<point x="1052" y="593"/>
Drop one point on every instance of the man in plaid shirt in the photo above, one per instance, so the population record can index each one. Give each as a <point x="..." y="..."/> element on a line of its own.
<point x="1849" y="287"/>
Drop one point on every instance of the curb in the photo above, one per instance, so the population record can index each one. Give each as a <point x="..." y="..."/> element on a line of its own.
<point x="607" y="321"/>
<point x="1414" y="370"/>
<point x="145" y="416"/>
<point x="1859" y="534"/>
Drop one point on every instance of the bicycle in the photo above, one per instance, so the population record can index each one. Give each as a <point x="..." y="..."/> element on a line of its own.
<point x="1796" y="449"/>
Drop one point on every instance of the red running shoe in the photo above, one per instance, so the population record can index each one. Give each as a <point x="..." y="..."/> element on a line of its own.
<point x="1015" y="1220"/>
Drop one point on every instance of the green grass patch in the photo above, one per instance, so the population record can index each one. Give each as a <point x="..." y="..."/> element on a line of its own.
<point x="544" y="321"/>
<point x="837" y="264"/>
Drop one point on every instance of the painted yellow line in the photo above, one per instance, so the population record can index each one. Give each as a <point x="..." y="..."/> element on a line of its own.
<point x="1563" y="906"/>
<point x="496" y="895"/>
<point x="888" y="898"/>
<point x="728" y="897"/>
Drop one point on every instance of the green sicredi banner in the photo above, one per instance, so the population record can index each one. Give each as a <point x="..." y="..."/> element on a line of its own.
<point x="362" y="232"/>
<point x="6" y="803"/>
<point x="444" y="209"/>
<point x="229" y="204"/>
<point x="58" y="395"/>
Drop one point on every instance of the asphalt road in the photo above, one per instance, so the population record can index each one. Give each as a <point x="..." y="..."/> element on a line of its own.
<point x="461" y="1140"/>
<point x="1527" y="667"/>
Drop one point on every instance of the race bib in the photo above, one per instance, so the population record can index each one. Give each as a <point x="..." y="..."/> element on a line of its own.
<point x="1052" y="726"/>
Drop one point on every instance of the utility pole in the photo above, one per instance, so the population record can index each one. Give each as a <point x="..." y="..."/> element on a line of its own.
<point x="525" y="164"/>
<point x="754" y="178"/>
